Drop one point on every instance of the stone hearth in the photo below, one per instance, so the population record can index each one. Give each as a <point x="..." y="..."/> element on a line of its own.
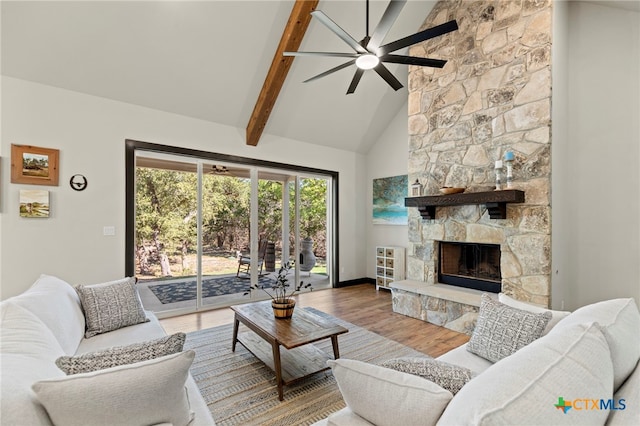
<point x="452" y="307"/>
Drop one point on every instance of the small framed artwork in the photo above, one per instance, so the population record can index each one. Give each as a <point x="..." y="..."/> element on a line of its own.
<point x="34" y="203"/>
<point x="34" y="165"/>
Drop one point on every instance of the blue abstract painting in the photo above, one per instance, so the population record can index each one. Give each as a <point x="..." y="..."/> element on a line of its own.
<point x="388" y="200"/>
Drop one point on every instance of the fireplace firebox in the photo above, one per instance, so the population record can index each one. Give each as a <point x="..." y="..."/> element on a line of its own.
<point x="470" y="265"/>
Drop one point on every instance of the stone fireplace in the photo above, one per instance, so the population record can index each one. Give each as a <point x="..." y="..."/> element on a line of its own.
<point x="492" y="96"/>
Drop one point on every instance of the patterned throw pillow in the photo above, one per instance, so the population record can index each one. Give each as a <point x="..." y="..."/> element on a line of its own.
<point x="501" y="330"/>
<point x="448" y="376"/>
<point x="121" y="355"/>
<point x="110" y="306"/>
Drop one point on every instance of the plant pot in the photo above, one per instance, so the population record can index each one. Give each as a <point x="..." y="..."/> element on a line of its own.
<point x="283" y="308"/>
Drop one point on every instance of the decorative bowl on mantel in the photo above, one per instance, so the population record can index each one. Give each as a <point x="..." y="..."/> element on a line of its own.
<point x="450" y="190"/>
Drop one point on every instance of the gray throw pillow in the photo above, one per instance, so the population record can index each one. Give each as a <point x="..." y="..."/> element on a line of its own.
<point x="110" y="306"/>
<point x="501" y="330"/>
<point x="448" y="376"/>
<point x="121" y="355"/>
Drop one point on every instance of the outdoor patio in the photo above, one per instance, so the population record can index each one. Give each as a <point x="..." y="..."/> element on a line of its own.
<point x="218" y="290"/>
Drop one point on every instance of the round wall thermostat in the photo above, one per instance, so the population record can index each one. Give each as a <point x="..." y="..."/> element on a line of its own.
<point x="78" y="182"/>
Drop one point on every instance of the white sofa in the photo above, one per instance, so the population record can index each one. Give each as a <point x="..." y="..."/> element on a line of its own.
<point x="47" y="322"/>
<point x="589" y="360"/>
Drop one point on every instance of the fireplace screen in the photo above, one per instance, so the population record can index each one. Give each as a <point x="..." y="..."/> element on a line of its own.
<point x="470" y="265"/>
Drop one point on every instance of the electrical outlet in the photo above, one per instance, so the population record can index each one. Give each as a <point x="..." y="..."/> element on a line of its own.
<point x="109" y="230"/>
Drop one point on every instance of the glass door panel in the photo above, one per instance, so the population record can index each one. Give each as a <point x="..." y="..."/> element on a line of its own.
<point x="269" y="227"/>
<point x="314" y="224"/>
<point x="166" y="233"/>
<point x="226" y="234"/>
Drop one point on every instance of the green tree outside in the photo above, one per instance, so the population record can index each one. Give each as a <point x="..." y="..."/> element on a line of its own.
<point x="166" y="217"/>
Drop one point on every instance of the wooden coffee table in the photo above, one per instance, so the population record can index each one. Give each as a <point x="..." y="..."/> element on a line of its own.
<point x="299" y="359"/>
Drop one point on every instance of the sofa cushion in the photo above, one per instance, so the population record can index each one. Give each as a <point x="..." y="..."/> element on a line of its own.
<point x="629" y="395"/>
<point x="556" y="316"/>
<point x="149" y="392"/>
<point x="18" y="404"/>
<point x="27" y="351"/>
<point x="56" y="303"/>
<point x="346" y="417"/>
<point x="408" y="399"/>
<point x="525" y="387"/>
<point x="620" y="320"/>
<point x="120" y="355"/>
<point x="111" y="305"/>
<point x="23" y="333"/>
<point x="124" y="336"/>
<point x="501" y="330"/>
<point x="461" y="356"/>
<point x="448" y="376"/>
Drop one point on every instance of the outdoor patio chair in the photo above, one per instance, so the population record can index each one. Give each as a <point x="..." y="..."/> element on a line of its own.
<point x="244" y="261"/>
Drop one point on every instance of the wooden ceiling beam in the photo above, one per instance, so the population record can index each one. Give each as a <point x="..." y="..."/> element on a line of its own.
<point x="291" y="38"/>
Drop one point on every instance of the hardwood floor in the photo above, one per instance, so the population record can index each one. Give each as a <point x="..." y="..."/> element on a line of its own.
<point x="361" y="305"/>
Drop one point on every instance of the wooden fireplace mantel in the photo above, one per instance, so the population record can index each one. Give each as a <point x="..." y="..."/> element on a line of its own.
<point x="495" y="201"/>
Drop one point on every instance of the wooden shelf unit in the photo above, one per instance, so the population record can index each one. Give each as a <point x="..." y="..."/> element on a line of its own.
<point x="389" y="265"/>
<point x="495" y="201"/>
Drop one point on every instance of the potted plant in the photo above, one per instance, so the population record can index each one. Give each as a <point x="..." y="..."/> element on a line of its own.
<point x="281" y="292"/>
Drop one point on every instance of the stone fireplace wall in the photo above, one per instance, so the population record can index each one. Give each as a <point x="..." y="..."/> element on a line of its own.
<point x="493" y="95"/>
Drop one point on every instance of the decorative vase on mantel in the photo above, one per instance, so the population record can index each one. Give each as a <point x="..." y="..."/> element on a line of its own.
<point x="283" y="309"/>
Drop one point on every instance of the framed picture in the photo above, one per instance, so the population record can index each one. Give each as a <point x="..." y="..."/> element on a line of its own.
<point x="388" y="200"/>
<point x="34" y="203"/>
<point x="34" y="165"/>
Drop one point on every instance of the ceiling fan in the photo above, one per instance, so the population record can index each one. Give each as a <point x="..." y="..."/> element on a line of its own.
<point x="217" y="169"/>
<point x="370" y="54"/>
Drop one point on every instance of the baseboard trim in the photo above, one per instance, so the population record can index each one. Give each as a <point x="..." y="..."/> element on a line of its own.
<point x="356" y="282"/>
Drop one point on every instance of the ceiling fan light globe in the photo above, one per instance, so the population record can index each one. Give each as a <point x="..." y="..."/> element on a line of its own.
<point x="367" y="61"/>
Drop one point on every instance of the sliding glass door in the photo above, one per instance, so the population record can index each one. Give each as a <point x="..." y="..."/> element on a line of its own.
<point x="209" y="233"/>
<point x="166" y="232"/>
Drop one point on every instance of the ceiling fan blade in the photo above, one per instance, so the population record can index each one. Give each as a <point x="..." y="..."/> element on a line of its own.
<point x="356" y="79"/>
<point x="338" y="31"/>
<point x="335" y="54"/>
<point x="388" y="77"/>
<point x="388" y="18"/>
<point x="418" y="37"/>
<point x="412" y="60"/>
<point x="332" y="70"/>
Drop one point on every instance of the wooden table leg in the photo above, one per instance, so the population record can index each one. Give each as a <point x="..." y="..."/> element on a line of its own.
<point x="236" y="323"/>
<point x="334" y="342"/>
<point x="278" y="368"/>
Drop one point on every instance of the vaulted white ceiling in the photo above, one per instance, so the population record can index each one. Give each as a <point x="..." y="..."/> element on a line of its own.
<point x="208" y="60"/>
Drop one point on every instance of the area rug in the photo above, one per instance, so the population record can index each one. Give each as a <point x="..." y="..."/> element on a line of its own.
<point x="240" y="390"/>
<point x="186" y="290"/>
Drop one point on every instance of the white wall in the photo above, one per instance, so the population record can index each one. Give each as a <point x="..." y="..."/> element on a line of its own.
<point x="90" y="134"/>
<point x="596" y="173"/>
<point x="388" y="157"/>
